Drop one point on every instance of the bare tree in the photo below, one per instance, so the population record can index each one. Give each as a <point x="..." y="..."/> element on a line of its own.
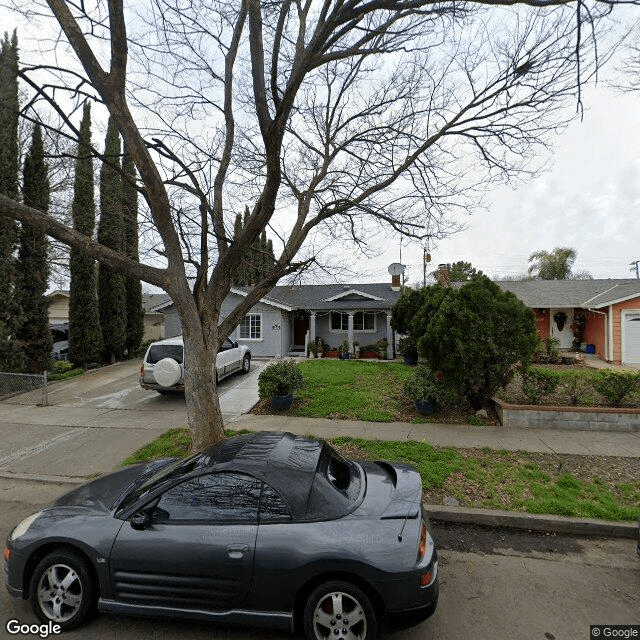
<point x="330" y="118"/>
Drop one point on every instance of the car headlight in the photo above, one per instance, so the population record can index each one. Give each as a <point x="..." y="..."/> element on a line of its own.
<point x="21" y="529"/>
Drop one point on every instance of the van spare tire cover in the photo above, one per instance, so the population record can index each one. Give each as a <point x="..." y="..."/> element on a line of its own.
<point x="167" y="372"/>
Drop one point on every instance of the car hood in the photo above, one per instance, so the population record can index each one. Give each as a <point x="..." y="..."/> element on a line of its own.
<point x="101" y="494"/>
<point x="394" y="490"/>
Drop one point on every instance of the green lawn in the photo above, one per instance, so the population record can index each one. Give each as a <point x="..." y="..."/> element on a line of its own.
<point x="513" y="481"/>
<point x="352" y="390"/>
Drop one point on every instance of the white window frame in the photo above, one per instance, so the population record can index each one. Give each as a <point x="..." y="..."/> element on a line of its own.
<point x="355" y="330"/>
<point x="340" y="313"/>
<point x="366" y="313"/>
<point x="249" y="316"/>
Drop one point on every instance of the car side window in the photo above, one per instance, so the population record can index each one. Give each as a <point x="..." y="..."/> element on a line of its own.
<point x="212" y="497"/>
<point x="272" y="506"/>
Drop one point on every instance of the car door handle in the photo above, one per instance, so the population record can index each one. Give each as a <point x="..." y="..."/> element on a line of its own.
<point x="237" y="550"/>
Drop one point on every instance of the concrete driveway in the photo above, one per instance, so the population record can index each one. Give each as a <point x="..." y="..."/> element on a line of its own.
<point x="96" y="420"/>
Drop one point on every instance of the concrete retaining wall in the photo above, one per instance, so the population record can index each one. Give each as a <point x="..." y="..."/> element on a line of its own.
<point x="522" y="416"/>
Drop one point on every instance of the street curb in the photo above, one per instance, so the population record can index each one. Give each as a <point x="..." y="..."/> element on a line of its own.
<point x="533" y="522"/>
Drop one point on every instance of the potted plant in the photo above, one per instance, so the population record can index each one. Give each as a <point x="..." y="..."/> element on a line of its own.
<point x="382" y="348"/>
<point x="278" y="382"/>
<point x="343" y="350"/>
<point x="313" y="349"/>
<point x="407" y="347"/>
<point x="320" y="345"/>
<point x="428" y="390"/>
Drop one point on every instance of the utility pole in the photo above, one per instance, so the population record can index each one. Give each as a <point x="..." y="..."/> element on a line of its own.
<point x="634" y="266"/>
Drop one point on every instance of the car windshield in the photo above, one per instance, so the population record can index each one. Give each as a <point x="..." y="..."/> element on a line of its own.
<point x="162" y="477"/>
<point x="159" y="351"/>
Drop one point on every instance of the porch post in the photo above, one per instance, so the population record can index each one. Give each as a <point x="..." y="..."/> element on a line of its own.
<point x="389" y="339"/>
<point x="350" y="331"/>
<point x="312" y="327"/>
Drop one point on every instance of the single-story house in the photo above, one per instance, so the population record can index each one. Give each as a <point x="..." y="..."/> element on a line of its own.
<point x="608" y="309"/>
<point x="291" y="316"/>
<point x="59" y="313"/>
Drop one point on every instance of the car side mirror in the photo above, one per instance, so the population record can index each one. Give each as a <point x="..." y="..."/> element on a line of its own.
<point x="235" y="344"/>
<point x="140" y="520"/>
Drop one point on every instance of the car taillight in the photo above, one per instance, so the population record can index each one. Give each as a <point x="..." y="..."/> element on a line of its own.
<point x="422" y="545"/>
<point x="142" y="371"/>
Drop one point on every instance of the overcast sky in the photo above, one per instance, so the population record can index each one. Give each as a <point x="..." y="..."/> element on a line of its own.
<point x="589" y="200"/>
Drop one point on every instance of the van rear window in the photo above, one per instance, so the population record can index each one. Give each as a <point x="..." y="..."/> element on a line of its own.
<point x="159" y="351"/>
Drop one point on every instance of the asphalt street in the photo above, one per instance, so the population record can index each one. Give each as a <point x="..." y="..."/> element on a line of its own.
<point x="493" y="585"/>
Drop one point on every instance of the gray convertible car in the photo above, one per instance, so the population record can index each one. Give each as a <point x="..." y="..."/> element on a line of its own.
<point x="265" y="529"/>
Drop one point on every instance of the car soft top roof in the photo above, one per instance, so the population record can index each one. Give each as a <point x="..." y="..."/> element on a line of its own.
<point x="283" y="460"/>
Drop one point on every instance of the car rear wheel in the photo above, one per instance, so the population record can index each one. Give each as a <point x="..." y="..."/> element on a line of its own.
<point x="246" y="364"/>
<point x="61" y="590"/>
<point x="339" y="610"/>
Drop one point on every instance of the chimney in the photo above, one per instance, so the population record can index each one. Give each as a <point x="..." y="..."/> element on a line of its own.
<point x="395" y="282"/>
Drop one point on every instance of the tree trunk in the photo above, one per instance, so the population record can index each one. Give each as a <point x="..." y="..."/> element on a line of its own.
<point x="204" y="417"/>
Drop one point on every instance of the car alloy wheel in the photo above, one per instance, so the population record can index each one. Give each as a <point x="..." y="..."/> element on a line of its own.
<point x="341" y="611"/>
<point x="61" y="589"/>
<point x="246" y="364"/>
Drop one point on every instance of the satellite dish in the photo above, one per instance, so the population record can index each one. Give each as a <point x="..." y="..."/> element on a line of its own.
<point x="396" y="269"/>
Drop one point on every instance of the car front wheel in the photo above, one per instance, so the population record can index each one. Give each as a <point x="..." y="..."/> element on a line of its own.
<point x="61" y="589"/>
<point x="339" y="610"/>
<point x="246" y="363"/>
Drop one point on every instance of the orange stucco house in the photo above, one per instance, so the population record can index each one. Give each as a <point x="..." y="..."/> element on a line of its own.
<point x="606" y="311"/>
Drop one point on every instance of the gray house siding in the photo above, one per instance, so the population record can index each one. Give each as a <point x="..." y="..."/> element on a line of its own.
<point x="272" y="323"/>
<point x="287" y="332"/>
<point x="172" y="324"/>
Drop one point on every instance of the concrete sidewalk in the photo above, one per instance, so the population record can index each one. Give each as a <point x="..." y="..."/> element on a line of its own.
<point x="603" y="443"/>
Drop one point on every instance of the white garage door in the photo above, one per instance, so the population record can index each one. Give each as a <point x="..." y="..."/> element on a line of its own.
<point x="631" y="346"/>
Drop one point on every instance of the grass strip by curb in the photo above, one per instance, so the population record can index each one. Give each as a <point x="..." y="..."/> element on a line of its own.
<point x="502" y="480"/>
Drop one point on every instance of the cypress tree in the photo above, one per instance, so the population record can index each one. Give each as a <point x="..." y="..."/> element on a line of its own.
<point x="111" y="288"/>
<point x="258" y="258"/>
<point x="133" y="286"/>
<point x="10" y="315"/>
<point x="85" y="334"/>
<point x="34" y="333"/>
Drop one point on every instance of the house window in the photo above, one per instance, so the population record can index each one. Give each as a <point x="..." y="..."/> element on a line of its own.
<point x="364" y="321"/>
<point x="339" y="321"/>
<point x="361" y="321"/>
<point x="251" y="327"/>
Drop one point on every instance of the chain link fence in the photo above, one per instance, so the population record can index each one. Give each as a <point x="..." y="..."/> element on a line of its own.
<point x="34" y="386"/>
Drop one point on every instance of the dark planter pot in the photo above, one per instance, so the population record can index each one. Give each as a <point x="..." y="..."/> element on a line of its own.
<point x="330" y="354"/>
<point x="425" y="407"/>
<point x="280" y="403"/>
<point x="345" y="355"/>
<point x="368" y="355"/>
<point x="411" y="358"/>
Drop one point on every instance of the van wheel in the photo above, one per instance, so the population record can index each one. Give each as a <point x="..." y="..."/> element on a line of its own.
<point x="246" y="364"/>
